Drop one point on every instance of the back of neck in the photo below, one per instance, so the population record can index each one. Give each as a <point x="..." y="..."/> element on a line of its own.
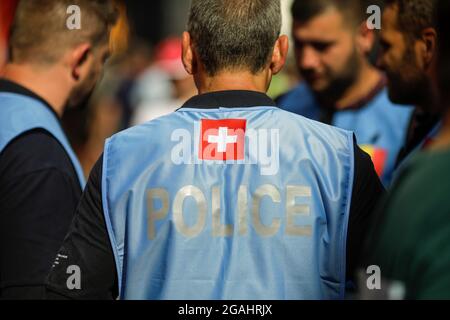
<point x="232" y="81"/>
<point x="43" y="83"/>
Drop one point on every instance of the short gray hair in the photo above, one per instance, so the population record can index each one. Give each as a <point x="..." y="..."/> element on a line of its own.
<point x="234" y="34"/>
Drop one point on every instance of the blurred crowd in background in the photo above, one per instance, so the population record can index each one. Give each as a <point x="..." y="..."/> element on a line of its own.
<point x="145" y="78"/>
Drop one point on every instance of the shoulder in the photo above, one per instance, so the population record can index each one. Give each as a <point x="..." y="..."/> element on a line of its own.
<point x="149" y="127"/>
<point x="302" y="123"/>
<point x="421" y="189"/>
<point x="298" y="90"/>
<point x="382" y="103"/>
<point x="297" y="97"/>
<point x="424" y="170"/>
<point x="149" y="138"/>
<point x="33" y="151"/>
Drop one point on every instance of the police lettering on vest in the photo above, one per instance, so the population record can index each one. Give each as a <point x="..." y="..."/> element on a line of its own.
<point x="240" y="203"/>
<point x="291" y="210"/>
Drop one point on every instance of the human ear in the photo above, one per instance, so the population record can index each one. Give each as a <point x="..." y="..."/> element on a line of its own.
<point x="79" y="61"/>
<point x="429" y="40"/>
<point x="279" y="55"/>
<point x="188" y="56"/>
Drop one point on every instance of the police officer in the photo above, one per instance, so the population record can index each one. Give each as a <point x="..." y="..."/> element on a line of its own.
<point x="341" y="87"/>
<point x="229" y="197"/>
<point x="40" y="178"/>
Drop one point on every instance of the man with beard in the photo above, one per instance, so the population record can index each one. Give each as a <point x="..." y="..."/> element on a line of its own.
<point x="408" y="42"/>
<point x="342" y="88"/>
<point x="410" y="245"/>
<point x="40" y="178"/>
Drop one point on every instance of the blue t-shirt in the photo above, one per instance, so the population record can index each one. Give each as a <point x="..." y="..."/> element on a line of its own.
<point x="380" y="126"/>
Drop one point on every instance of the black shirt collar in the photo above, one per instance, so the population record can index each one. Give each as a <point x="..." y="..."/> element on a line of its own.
<point x="229" y="99"/>
<point x="12" y="87"/>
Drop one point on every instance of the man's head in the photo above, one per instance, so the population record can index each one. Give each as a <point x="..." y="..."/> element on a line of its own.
<point x="41" y="37"/>
<point x="234" y="36"/>
<point x="332" y="41"/>
<point x="408" y="49"/>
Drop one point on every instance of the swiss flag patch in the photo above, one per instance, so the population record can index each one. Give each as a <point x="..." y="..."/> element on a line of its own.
<point x="222" y="140"/>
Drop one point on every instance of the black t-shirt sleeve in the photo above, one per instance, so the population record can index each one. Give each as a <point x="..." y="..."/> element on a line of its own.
<point x="368" y="191"/>
<point x="39" y="192"/>
<point x="88" y="249"/>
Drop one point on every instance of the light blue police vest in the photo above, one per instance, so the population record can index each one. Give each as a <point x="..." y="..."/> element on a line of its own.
<point x="380" y="124"/>
<point x="185" y="229"/>
<point x="19" y="114"/>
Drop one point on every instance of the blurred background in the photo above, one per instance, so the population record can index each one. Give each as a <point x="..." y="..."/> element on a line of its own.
<point x="144" y="79"/>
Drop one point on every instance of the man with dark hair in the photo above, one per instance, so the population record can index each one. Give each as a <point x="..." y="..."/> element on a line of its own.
<point x="408" y="53"/>
<point x="40" y="178"/>
<point x="411" y="243"/>
<point x="341" y="87"/>
<point x="229" y="197"/>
